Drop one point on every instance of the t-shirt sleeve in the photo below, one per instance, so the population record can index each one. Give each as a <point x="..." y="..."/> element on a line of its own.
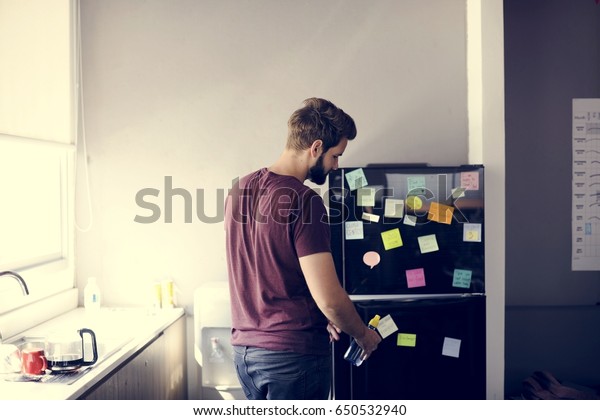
<point x="311" y="228"/>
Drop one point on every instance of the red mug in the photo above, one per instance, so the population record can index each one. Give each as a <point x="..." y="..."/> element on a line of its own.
<point x="33" y="361"/>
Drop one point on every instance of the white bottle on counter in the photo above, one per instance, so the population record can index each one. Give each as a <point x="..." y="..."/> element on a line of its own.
<point x="91" y="295"/>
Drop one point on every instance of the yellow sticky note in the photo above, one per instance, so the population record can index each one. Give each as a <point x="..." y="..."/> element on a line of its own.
<point x="407" y="340"/>
<point x="413" y="202"/>
<point x="440" y="213"/>
<point x="391" y="239"/>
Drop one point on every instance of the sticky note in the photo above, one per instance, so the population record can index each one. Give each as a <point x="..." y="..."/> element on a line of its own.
<point x="354" y="230"/>
<point x="394" y="208"/>
<point x="371" y="258"/>
<point x="458" y="192"/>
<point x="415" y="278"/>
<point x="410" y="220"/>
<point x="356" y="179"/>
<point x="370" y="217"/>
<point x="406" y="340"/>
<point x="391" y="239"/>
<point x="472" y="232"/>
<point x="469" y="180"/>
<point x="416" y="184"/>
<point x="428" y="243"/>
<point x="462" y="278"/>
<point x="440" y="213"/>
<point x="365" y="197"/>
<point x="414" y="202"/>
<point x="451" y="347"/>
<point x="386" y="326"/>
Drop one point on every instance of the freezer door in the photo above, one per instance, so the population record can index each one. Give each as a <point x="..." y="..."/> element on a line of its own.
<point x="437" y="353"/>
<point x="382" y="245"/>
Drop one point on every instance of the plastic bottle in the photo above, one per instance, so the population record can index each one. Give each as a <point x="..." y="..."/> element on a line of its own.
<point x="91" y="295"/>
<point x="216" y="353"/>
<point x="355" y="353"/>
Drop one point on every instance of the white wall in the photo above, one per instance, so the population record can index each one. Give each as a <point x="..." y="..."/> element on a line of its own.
<point x="201" y="91"/>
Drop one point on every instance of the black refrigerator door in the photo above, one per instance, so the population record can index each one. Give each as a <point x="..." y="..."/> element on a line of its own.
<point x="423" y="225"/>
<point x="438" y="353"/>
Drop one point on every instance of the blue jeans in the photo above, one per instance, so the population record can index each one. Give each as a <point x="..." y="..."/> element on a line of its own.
<point x="281" y="375"/>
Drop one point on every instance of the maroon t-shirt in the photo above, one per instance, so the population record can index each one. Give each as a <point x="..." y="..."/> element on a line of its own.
<point x="270" y="222"/>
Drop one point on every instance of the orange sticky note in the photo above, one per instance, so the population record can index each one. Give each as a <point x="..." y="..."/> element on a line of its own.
<point x="440" y="213"/>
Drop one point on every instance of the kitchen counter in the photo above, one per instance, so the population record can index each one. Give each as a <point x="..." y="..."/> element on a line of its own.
<point x="120" y="334"/>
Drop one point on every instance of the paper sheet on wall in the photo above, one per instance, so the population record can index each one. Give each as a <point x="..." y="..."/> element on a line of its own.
<point x="585" y="216"/>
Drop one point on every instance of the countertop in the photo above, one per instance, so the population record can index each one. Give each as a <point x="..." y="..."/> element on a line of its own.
<point x="120" y="333"/>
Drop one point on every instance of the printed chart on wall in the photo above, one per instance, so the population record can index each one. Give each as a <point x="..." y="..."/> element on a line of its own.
<point x="586" y="185"/>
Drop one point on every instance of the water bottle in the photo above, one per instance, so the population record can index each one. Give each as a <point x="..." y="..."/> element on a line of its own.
<point x="91" y="293"/>
<point x="355" y="353"/>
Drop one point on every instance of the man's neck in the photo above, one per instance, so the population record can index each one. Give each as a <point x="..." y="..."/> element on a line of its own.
<point x="291" y="163"/>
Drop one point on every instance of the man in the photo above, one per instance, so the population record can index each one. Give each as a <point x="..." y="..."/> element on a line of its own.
<point x="287" y="302"/>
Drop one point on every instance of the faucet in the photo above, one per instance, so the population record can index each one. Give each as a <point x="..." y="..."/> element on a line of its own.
<point x="17" y="278"/>
<point x="22" y="283"/>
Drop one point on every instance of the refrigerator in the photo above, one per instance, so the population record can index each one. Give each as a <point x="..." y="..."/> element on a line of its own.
<point x="408" y="245"/>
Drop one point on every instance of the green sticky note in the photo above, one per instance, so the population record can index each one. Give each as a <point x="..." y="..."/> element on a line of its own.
<point x="407" y="340"/>
<point x="356" y="179"/>
<point x="462" y="278"/>
<point x="391" y="239"/>
<point x="416" y="185"/>
<point x="428" y="243"/>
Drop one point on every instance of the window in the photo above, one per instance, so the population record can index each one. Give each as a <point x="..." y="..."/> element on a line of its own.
<point x="36" y="237"/>
<point x="38" y="126"/>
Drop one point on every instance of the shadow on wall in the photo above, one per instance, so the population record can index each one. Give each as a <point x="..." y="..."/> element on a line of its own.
<point x="563" y="340"/>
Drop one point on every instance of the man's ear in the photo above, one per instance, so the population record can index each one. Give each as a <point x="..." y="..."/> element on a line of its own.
<point x="316" y="148"/>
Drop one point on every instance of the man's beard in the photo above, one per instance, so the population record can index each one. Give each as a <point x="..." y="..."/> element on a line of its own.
<point x="317" y="173"/>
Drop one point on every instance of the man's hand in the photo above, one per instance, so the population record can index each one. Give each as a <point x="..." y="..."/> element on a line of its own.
<point x="368" y="342"/>
<point x="334" y="332"/>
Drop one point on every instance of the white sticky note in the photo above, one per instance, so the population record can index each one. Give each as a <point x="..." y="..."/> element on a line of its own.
<point x="365" y="197"/>
<point x="428" y="243"/>
<point x="472" y="232"/>
<point x="386" y="326"/>
<point x="394" y="208"/>
<point x="451" y="347"/>
<point x="354" y="230"/>
<point x="370" y="217"/>
<point x="356" y="179"/>
<point x="410" y="220"/>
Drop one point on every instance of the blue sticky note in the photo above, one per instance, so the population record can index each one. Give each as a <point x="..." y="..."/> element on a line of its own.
<point x="416" y="184"/>
<point x="462" y="278"/>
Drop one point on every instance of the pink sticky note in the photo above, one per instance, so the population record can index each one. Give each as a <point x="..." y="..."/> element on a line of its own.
<point x="469" y="180"/>
<point x="415" y="278"/>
